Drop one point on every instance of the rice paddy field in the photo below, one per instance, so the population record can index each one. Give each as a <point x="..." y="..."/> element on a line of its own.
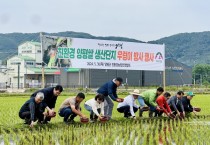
<point x="120" y="131"/>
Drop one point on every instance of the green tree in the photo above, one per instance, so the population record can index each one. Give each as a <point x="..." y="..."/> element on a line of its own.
<point x="201" y="73"/>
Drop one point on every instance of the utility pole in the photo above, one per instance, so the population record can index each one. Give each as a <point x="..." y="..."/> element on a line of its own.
<point x="43" y="82"/>
<point x="164" y="80"/>
<point x="42" y="50"/>
<point x="18" y="75"/>
<point x="201" y="79"/>
<point x="194" y="74"/>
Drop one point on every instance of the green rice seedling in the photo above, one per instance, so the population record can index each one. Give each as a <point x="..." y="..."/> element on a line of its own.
<point x="140" y="131"/>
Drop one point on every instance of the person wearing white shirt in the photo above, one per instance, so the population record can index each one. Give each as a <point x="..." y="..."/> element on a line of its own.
<point x="96" y="107"/>
<point x="128" y="106"/>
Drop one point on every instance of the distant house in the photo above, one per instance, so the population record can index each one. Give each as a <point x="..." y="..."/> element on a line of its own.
<point x="3" y="76"/>
<point x="29" y="61"/>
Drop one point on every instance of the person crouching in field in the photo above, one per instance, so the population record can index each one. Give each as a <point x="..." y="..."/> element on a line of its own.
<point x="70" y="108"/>
<point x="188" y="108"/>
<point x="142" y="106"/>
<point x="150" y="97"/>
<point x="128" y="106"/>
<point x="95" y="106"/>
<point x="176" y="105"/>
<point x="162" y="103"/>
<point x="110" y="89"/>
<point x="30" y="111"/>
<point x="50" y="97"/>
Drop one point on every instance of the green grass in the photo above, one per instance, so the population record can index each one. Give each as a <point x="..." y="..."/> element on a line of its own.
<point x="144" y="130"/>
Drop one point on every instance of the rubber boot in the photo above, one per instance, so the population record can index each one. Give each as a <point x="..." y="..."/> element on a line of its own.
<point x="140" y="113"/>
<point x="150" y="113"/>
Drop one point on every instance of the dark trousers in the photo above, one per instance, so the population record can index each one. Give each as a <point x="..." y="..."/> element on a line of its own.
<point x="152" y="109"/>
<point x="126" y="110"/>
<point x="42" y="109"/>
<point x="27" y="116"/>
<point x="93" y="116"/>
<point x="178" y="107"/>
<point x="66" y="112"/>
<point x="158" y="113"/>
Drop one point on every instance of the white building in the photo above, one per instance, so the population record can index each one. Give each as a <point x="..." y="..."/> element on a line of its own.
<point x="3" y="76"/>
<point x="29" y="61"/>
<point x="31" y="50"/>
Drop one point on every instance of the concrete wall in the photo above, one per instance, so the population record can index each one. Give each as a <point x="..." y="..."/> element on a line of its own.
<point x="176" y="74"/>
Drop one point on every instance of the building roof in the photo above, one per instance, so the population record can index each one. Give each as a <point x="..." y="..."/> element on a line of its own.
<point x="32" y="42"/>
<point x="38" y="70"/>
<point x="35" y="43"/>
<point x="170" y="58"/>
<point x="72" y="69"/>
<point x="26" y="58"/>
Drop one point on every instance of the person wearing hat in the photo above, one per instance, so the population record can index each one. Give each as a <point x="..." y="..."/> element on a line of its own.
<point x="110" y="89"/>
<point x="150" y="97"/>
<point x="128" y="106"/>
<point x="186" y="103"/>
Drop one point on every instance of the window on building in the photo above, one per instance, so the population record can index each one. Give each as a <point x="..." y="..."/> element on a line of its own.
<point x="39" y="51"/>
<point x="27" y="51"/>
<point x="15" y="63"/>
<point x="29" y="63"/>
<point x="38" y="63"/>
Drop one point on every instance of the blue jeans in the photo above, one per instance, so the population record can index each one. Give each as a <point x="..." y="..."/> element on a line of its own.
<point x="92" y="114"/>
<point x="141" y="101"/>
<point x="109" y="107"/>
<point x="88" y="108"/>
<point x="151" y="108"/>
<point x="66" y="112"/>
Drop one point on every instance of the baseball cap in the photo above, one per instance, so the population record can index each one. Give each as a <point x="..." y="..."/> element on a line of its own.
<point x="190" y="94"/>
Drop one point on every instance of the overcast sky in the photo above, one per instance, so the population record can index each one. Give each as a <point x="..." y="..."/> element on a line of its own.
<point x="140" y="19"/>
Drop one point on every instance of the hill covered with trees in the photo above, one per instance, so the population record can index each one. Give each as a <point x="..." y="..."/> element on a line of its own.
<point x="188" y="48"/>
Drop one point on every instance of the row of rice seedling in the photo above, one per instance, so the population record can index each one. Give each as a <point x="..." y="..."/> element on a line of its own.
<point x="195" y="130"/>
<point x="159" y="131"/>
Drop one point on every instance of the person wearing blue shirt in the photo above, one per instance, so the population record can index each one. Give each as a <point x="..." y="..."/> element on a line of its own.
<point x="110" y="89"/>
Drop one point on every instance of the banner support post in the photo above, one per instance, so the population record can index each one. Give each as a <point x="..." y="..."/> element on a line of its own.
<point x="164" y="71"/>
<point x="164" y="80"/>
<point x="43" y="80"/>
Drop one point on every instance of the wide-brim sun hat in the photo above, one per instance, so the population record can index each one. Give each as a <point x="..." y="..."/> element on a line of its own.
<point x="135" y="92"/>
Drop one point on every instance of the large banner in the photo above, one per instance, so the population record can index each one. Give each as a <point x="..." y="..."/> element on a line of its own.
<point x="102" y="54"/>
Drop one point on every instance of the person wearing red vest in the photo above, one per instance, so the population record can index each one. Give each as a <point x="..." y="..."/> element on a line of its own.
<point x="163" y="105"/>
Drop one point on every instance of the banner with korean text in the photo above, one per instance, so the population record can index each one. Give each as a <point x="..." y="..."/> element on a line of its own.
<point x="102" y="54"/>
